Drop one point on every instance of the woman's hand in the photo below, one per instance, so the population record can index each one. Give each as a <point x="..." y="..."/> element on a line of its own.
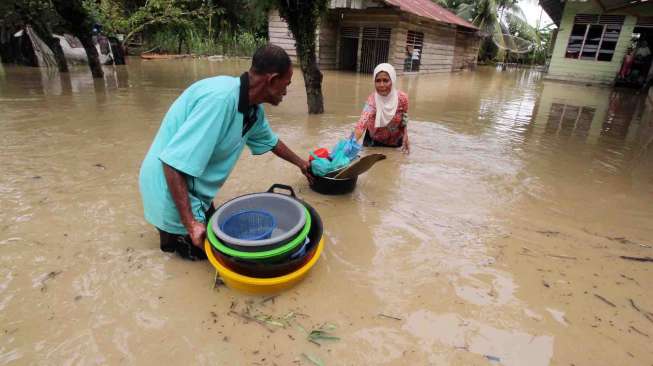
<point x="405" y="145"/>
<point x="357" y="134"/>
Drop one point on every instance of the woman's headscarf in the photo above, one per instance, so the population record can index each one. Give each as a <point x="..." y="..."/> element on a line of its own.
<point x="386" y="106"/>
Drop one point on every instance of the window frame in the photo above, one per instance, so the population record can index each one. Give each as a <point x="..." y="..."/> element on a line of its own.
<point x="582" y="20"/>
<point x="414" y="39"/>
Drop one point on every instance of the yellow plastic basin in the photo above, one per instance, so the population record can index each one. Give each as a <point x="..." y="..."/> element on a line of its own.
<point x="261" y="286"/>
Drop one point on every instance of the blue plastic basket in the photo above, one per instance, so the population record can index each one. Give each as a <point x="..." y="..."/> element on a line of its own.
<point x="249" y="225"/>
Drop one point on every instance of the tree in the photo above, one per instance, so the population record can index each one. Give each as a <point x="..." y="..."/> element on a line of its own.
<point x="80" y="24"/>
<point x="123" y="17"/>
<point x="41" y="16"/>
<point x="494" y="18"/>
<point x="303" y="18"/>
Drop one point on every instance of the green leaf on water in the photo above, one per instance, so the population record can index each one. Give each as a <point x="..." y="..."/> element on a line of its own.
<point x="270" y="320"/>
<point x="316" y="335"/>
<point x="314" y="359"/>
<point x="328" y="327"/>
<point x="278" y="324"/>
<point x="323" y="332"/>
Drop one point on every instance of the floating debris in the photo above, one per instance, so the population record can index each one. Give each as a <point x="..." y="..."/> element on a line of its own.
<point x="492" y="358"/>
<point x="605" y="300"/>
<point x="647" y="314"/>
<point x="637" y="259"/>
<point x="314" y="359"/>
<point x="324" y="332"/>
<point x="389" y="316"/>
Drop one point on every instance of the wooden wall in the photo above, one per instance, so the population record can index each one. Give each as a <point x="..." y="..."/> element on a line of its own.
<point x="280" y="35"/>
<point x="445" y="48"/>
<point x="466" y="51"/>
<point x="327" y="43"/>
<point x="439" y="45"/>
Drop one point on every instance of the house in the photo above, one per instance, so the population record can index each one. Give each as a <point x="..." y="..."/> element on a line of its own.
<point x="593" y="38"/>
<point x="414" y="36"/>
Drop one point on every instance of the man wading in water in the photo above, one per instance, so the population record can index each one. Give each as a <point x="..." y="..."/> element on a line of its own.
<point x="199" y="142"/>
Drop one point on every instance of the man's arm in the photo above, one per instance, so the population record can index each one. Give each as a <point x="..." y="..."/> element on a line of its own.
<point x="282" y="151"/>
<point x="179" y="191"/>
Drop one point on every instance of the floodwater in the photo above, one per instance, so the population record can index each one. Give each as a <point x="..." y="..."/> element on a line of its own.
<point x="498" y="240"/>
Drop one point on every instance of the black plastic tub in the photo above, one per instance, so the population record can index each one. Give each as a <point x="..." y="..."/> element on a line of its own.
<point x="332" y="186"/>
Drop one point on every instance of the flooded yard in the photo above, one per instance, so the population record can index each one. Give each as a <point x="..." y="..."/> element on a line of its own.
<point x="499" y="240"/>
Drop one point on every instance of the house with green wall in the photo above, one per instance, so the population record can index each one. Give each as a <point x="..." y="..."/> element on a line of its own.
<point x="593" y="37"/>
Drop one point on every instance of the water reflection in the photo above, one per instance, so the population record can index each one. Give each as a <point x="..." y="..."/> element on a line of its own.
<point x="589" y="111"/>
<point x="50" y="82"/>
<point x="490" y="344"/>
<point x="623" y="106"/>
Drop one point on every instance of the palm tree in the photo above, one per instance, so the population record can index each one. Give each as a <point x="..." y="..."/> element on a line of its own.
<point x="494" y="18"/>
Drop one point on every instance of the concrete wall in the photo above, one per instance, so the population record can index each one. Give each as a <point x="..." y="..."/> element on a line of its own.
<point x="601" y="72"/>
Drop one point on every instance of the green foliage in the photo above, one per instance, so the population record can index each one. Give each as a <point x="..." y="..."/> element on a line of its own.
<point x="232" y="27"/>
<point x="114" y="17"/>
<point x="15" y="13"/>
<point x="197" y="42"/>
<point x="243" y="16"/>
<point x="498" y="17"/>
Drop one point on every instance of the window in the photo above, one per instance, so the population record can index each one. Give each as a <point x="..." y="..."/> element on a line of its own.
<point x="375" y="47"/>
<point x="594" y="37"/>
<point x="414" y="49"/>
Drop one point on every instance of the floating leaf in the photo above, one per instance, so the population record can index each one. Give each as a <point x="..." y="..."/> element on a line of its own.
<point x="328" y="327"/>
<point x="320" y="334"/>
<point x="270" y="320"/>
<point x="314" y="359"/>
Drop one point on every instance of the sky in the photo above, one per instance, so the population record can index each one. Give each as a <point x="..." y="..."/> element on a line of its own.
<point x="532" y="11"/>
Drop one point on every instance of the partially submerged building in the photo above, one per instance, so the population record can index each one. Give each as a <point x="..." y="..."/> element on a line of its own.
<point x="594" y="36"/>
<point x="415" y="36"/>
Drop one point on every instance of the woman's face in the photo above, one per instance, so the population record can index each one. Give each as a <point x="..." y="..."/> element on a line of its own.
<point x="382" y="83"/>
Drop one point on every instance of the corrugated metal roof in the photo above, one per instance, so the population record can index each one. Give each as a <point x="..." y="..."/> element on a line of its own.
<point x="429" y="9"/>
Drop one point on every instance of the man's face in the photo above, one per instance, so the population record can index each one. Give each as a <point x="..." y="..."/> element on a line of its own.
<point x="278" y="86"/>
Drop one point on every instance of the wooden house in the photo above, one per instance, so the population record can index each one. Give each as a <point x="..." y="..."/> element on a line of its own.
<point x="415" y="36"/>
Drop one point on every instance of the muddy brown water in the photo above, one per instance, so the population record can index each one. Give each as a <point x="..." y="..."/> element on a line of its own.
<point x="496" y="241"/>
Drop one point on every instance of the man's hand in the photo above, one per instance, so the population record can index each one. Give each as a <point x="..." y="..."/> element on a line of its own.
<point x="197" y="233"/>
<point x="305" y="167"/>
<point x="282" y="151"/>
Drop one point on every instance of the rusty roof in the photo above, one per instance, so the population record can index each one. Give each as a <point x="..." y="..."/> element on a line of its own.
<point x="429" y="9"/>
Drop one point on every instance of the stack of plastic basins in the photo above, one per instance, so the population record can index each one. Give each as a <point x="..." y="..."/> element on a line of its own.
<point x="282" y="243"/>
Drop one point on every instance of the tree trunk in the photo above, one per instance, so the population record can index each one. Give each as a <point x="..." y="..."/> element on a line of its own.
<point x="117" y="50"/>
<point x="55" y="46"/>
<point x="303" y="18"/>
<point x="43" y="32"/>
<point x="313" y="84"/>
<point x="81" y="25"/>
<point x="92" y="55"/>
